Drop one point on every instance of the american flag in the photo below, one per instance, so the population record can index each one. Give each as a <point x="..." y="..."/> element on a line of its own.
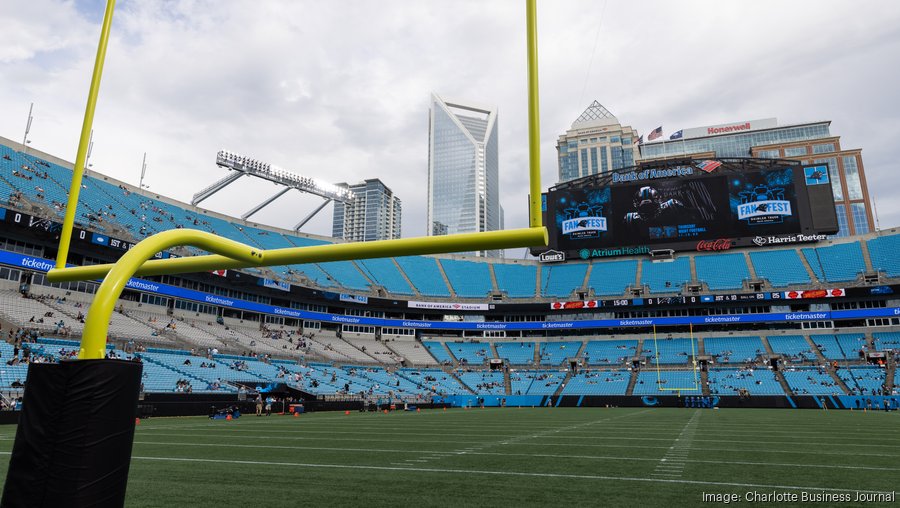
<point x="640" y="140"/>
<point x="657" y="132"/>
<point x="708" y="166"/>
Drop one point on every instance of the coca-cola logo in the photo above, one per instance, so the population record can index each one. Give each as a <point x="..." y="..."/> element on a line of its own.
<point x="714" y="245"/>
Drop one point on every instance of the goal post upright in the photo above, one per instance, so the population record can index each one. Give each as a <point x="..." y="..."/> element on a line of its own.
<point x="84" y="141"/>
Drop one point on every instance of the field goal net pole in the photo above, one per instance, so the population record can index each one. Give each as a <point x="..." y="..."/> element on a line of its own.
<point x="678" y="390"/>
<point x="73" y="445"/>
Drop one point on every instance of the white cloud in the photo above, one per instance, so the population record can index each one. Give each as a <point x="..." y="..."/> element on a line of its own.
<point x="339" y="90"/>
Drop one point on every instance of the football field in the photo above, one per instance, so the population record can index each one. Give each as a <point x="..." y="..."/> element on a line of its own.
<point x="514" y="457"/>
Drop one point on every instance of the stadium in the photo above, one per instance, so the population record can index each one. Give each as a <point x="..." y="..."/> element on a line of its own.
<point x="692" y="332"/>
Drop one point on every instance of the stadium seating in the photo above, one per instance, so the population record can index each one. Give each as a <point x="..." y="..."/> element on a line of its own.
<point x="384" y="272"/>
<point x="483" y="382"/>
<point x="780" y="267"/>
<point x="722" y="271"/>
<point x="438" y="351"/>
<point x="413" y="351"/>
<point x="554" y="353"/>
<point x="598" y="383"/>
<point x="612" y="278"/>
<point x="672" y="351"/>
<point x="424" y="274"/>
<point x="755" y="381"/>
<point x="544" y="382"/>
<point x="734" y="349"/>
<point x="312" y="272"/>
<point x="666" y="276"/>
<point x="346" y="274"/>
<point x="883" y="254"/>
<point x="469" y="279"/>
<point x="794" y="347"/>
<point x="852" y="344"/>
<point x="863" y="380"/>
<point x="609" y="352"/>
<point x="836" y="263"/>
<point x="373" y="348"/>
<point x="561" y="280"/>
<point x="434" y="380"/>
<point x="518" y="281"/>
<point x="388" y="382"/>
<point x="471" y="353"/>
<point x="841" y="346"/>
<point x="667" y="382"/>
<point x="520" y="382"/>
<point x="828" y="346"/>
<point x="811" y="381"/>
<point x="886" y="340"/>
<point x="517" y="353"/>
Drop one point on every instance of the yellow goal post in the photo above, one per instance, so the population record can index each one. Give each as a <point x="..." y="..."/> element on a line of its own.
<point x="230" y="254"/>
<point x="678" y="389"/>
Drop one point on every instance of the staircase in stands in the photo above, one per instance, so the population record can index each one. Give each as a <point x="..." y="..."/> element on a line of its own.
<point x="889" y="378"/>
<point x="837" y="379"/>
<point x="562" y="385"/>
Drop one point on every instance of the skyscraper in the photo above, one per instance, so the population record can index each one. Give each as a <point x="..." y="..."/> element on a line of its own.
<point x="810" y="143"/>
<point x="374" y="213"/>
<point x="463" y="169"/>
<point x="596" y="143"/>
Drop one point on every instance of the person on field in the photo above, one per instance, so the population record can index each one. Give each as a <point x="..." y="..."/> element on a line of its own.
<point x="259" y="405"/>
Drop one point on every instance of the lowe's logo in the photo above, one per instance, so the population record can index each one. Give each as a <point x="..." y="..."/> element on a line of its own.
<point x="764" y="209"/>
<point x="552" y="256"/>
<point x="583" y="224"/>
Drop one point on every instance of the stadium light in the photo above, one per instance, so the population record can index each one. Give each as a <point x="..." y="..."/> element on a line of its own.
<point x="275" y="174"/>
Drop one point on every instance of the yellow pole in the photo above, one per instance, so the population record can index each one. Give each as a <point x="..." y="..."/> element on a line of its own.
<point x="506" y="239"/>
<point x="534" y="120"/>
<point x="658" y="373"/>
<point x="694" y="356"/>
<point x="96" y="325"/>
<point x="65" y="236"/>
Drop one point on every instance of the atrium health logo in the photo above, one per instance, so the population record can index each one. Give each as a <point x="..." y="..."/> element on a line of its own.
<point x="585" y="254"/>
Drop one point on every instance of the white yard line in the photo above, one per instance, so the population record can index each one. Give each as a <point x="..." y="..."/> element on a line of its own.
<point x="554" y="445"/>
<point x="672" y="463"/>
<point x="501" y="473"/>
<point x="440" y="454"/>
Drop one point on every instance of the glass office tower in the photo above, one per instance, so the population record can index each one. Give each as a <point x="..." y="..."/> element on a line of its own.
<point x="463" y="169"/>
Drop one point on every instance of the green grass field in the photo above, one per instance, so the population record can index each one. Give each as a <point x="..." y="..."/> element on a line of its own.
<point x="509" y="457"/>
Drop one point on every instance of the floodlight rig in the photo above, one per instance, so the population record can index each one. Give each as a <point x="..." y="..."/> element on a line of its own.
<point x="241" y="165"/>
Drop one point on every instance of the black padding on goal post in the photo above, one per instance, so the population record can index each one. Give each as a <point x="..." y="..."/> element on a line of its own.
<point x="73" y="443"/>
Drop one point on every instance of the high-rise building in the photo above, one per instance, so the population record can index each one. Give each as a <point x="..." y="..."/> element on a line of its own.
<point x="374" y="213"/>
<point x="463" y="169"/>
<point x="808" y="142"/>
<point x="596" y="143"/>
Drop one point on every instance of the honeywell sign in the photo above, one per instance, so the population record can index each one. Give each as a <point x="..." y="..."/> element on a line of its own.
<point x="730" y="128"/>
